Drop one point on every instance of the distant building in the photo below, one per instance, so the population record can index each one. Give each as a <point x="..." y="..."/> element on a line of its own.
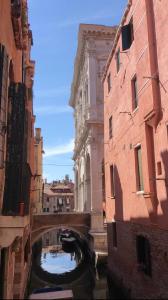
<point x="58" y="196"/>
<point x="51" y="238"/>
<point x="38" y="180"/>
<point x="136" y="151"/>
<point x="87" y="100"/>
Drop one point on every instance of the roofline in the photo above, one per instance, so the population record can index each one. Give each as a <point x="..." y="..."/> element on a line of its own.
<point x="85" y="30"/>
<point x="117" y="38"/>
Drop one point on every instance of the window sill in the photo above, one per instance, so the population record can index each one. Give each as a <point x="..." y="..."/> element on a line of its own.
<point x="140" y="193"/>
<point x="135" y="110"/>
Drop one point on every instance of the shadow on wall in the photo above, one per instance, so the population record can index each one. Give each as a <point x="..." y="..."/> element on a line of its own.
<point x="118" y="193"/>
<point x="164" y="203"/>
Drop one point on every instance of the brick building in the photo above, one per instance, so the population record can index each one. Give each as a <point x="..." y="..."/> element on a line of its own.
<point x="16" y="147"/>
<point x="136" y="150"/>
<point x="58" y="196"/>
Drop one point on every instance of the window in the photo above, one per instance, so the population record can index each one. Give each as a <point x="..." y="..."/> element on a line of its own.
<point x="112" y="181"/>
<point x="118" y="60"/>
<point x="60" y="201"/>
<point x="67" y="201"/>
<point x="159" y="168"/>
<point x="47" y="209"/>
<point x="138" y="163"/>
<point x="109" y="82"/>
<point x="4" y="76"/>
<point x="114" y="228"/>
<point x="110" y="128"/>
<point x="48" y="199"/>
<point x="143" y="255"/>
<point x="134" y="89"/>
<point x="44" y="209"/>
<point x="127" y="33"/>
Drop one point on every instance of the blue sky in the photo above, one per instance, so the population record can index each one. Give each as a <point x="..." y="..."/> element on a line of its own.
<point x="55" y="28"/>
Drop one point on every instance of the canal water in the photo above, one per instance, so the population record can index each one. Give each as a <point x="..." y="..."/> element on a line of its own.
<point x="61" y="259"/>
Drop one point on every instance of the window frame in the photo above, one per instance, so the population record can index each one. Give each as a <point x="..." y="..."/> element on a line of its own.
<point x="112" y="181"/>
<point x="114" y="230"/>
<point x="109" y="85"/>
<point x="134" y="92"/>
<point x="127" y="34"/>
<point x="110" y="127"/>
<point x="143" y="251"/>
<point x="139" y="169"/>
<point x="117" y="57"/>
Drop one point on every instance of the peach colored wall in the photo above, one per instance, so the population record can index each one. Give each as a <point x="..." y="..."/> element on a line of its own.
<point x="129" y="128"/>
<point x="16" y="269"/>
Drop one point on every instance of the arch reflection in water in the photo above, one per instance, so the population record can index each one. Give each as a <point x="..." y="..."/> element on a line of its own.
<point x="58" y="256"/>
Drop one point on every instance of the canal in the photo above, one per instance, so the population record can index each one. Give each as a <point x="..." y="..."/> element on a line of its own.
<point x="61" y="259"/>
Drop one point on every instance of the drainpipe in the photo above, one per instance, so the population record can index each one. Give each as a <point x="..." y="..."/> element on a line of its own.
<point x="153" y="57"/>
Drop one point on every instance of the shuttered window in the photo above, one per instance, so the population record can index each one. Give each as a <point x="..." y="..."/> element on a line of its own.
<point x="112" y="181"/>
<point x="134" y="92"/>
<point x="114" y="227"/>
<point x="17" y="176"/>
<point x="127" y="34"/>
<point x="139" y="174"/>
<point x="109" y="82"/>
<point x="110" y="128"/>
<point x="118" y="60"/>
<point x="4" y="74"/>
<point x="143" y="255"/>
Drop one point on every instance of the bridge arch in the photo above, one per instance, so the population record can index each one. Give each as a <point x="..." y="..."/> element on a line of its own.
<point x="77" y="222"/>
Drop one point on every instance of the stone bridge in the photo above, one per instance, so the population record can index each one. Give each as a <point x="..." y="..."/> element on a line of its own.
<point x="78" y="222"/>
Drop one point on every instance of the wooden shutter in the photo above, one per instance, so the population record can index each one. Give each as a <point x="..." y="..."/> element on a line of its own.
<point x="13" y="193"/>
<point x="140" y="174"/>
<point x="126" y="36"/>
<point x="4" y="75"/>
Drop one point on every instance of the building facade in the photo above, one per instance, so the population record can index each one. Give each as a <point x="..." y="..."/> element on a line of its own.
<point x="38" y="171"/>
<point x="136" y="150"/>
<point x="16" y="147"/>
<point x="94" y="44"/>
<point x="58" y="196"/>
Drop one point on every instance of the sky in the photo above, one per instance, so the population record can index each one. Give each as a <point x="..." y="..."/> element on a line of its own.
<point x="55" y="26"/>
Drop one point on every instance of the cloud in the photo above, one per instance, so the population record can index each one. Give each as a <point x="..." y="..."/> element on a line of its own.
<point x="52" y="110"/>
<point x="53" y="92"/>
<point x="60" y="149"/>
<point x="97" y="16"/>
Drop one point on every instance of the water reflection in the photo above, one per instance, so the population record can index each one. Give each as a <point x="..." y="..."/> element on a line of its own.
<point x="53" y="267"/>
<point x="58" y="262"/>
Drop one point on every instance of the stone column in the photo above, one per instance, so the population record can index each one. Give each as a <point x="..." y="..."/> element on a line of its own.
<point x="96" y="189"/>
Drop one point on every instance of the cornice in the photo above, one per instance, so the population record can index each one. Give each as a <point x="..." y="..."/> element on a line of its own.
<point x="87" y="31"/>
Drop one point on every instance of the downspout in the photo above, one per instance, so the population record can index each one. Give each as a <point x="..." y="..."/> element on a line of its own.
<point x="153" y="57"/>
